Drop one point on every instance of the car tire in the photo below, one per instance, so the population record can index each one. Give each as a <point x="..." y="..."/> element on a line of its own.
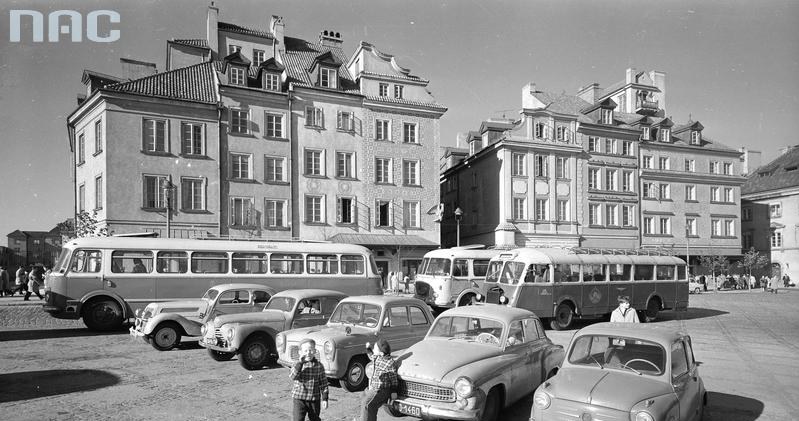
<point x="652" y="310"/>
<point x="564" y="316"/>
<point x="256" y="352"/>
<point x="492" y="406"/>
<point x="166" y="336"/>
<point x="697" y="291"/>
<point x="355" y="378"/>
<point x="103" y="314"/>
<point x="220" y="355"/>
<point x="389" y="408"/>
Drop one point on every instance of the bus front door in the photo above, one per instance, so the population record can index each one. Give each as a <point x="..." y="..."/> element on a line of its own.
<point x="85" y="273"/>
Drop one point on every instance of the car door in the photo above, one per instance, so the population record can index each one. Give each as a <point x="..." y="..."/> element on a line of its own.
<point x="685" y="380"/>
<point x="234" y="301"/>
<point x="420" y="323"/>
<point x="309" y="313"/>
<point x="396" y="327"/>
<point x="521" y="346"/>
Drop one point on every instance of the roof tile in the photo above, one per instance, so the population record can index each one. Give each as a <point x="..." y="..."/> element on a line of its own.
<point x="778" y="174"/>
<point x="193" y="83"/>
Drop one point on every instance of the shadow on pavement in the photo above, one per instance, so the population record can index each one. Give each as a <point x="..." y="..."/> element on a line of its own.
<point x="38" y="384"/>
<point x="723" y="406"/>
<point x="692" y="313"/>
<point x="25" y="335"/>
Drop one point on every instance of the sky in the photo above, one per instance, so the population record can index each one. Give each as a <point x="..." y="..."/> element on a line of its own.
<point x="732" y="65"/>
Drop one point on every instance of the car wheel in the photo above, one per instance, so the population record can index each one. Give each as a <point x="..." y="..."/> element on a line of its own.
<point x="564" y="316"/>
<point x="165" y="336"/>
<point x="652" y="309"/>
<point x="389" y="408"/>
<point x="696" y="291"/>
<point x="220" y="356"/>
<point x="102" y="315"/>
<point x="492" y="406"/>
<point x="355" y="378"/>
<point x="255" y="353"/>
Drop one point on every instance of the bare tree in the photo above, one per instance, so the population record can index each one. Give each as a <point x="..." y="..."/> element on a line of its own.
<point x="753" y="260"/>
<point x="84" y="225"/>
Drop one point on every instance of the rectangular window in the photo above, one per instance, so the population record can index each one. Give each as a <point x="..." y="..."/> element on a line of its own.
<point x="328" y="78"/>
<point x="690" y="165"/>
<point x="519" y="208"/>
<point x="383" y="170"/>
<point x="382" y="130"/>
<point x="383" y="90"/>
<point x="611" y="215"/>
<point x="313" y="162"/>
<point x="664" y="135"/>
<point x="715" y="226"/>
<point x="593" y="178"/>
<point x="610" y="146"/>
<point x="611" y="181"/>
<point x="561" y="133"/>
<point x="541" y="166"/>
<point x="746" y="240"/>
<point x="383" y="217"/>
<point x="775" y="210"/>
<point x="776" y="239"/>
<point x="649" y="191"/>
<point x="646" y="162"/>
<point x="275" y="169"/>
<point x="728" y="195"/>
<point x="645" y="133"/>
<point x="519" y="169"/>
<point x="258" y="57"/>
<point x="314" y="209"/>
<point x="593" y="144"/>
<point x="314" y="117"/>
<point x="665" y="225"/>
<point x="209" y="262"/>
<point x="594" y="215"/>
<point x="690" y="226"/>
<point x="274" y="125"/>
<point x="81" y="198"/>
<point x="690" y="192"/>
<point x="714" y="167"/>
<point x="154" y="192"/>
<point x="627" y="215"/>
<point x="98" y="192"/>
<point x="398" y="91"/>
<point x="242" y="212"/>
<point x="236" y="76"/>
<point x="665" y="191"/>
<point x="240" y="166"/>
<point x="696" y="137"/>
<point x="727" y="168"/>
<point x="715" y="194"/>
<point x="239" y="121"/>
<point x="540" y="130"/>
<point x="275" y="213"/>
<point x="729" y="228"/>
<point x="410" y="210"/>
<point x="345" y="164"/>
<point x="345" y="121"/>
<point x="81" y="152"/>
<point x="410" y="173"/>
<point x="191" y="138"/>
<point x="563" y="210"/>
<point x="607" y="116"/>
<point x="541" y="209"/>
<point x="192" y="193"/>
<point x="98" y="136"/>
<point x="627" y="148"/>
<point x="345" y="210"/>
<point x="562" y="167"/>
<point x="154" y="135"/>
<point x="627" y="181"/>
<point x="409" y="133"/>
<point x="649" y="225"/>
<point x="746" y="215"/>
<point x="272" y="82"/>
<point x="663" y="163"/>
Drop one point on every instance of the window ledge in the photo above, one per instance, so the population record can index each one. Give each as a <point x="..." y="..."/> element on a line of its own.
<point x="80" y="163"/>
<point x="240" y="134"/>
<point x="146" y="209"/>
<point x="724" y="237"/>
<point x="243" y="227"/>
<point x="384" y="140"/>
<point x="315" y="176"/>
<point x="346" y="178"/>
<point x="691" y="201"/>
<point x="412" y="143"/>
<point x="277" y="182"/>
<point x="196" y="211"/>
<point x="268" y="228"/>
<point x="194" y="156"/>
<point x="348" y="131"/>
<point x="278" y="139"/>
<point x="659" y="235"/>
<point x="721" y="203"/>
<point x="346" y="224"/>
<point x="383" y="183"/>
<point x="413" y="228"/>
<point x="417" y="186"/>
<point x="319" y="224"/>
<point x="243" y="180"/>
<point x="157" y="153"/>
<point x="314" y="127"/>
<point x="97" y="153"/>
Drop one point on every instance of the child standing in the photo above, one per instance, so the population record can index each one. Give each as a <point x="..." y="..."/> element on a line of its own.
<point x="383" y="380"/>
<point x="309" y="384"/>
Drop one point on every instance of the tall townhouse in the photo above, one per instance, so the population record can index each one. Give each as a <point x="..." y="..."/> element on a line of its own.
<point x="255" y="134"/>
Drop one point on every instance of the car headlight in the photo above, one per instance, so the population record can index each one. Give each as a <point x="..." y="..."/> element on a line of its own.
<point x="464" y="387"/>
<point x="329" y="349"/>
<point x="644" y="416"/>
<point x="137" y="312"/>
<point x="228" y="333"/>
<point x="203" y="330"/>
<point x="541" y="400"/>
<point x="280" y="343"/>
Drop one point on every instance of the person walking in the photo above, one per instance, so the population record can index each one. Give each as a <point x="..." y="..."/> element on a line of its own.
<point x="21" y="281"/>
<point x="35" y="281"/>
<point x="407" y="281"/>
<point x="383" y="380"/>
<point x="309" y="384"/>
<point x="5" y="282"/>
<point x="624" y="313"/>
<point x="774" y="283"/>
<point x="392" y="282"/>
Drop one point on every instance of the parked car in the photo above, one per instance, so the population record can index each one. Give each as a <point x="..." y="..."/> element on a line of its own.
<point x="163" y="324"/>
<point x="252" y="335"/>
<point x="694" y="287"/>
<point x="632" y="371"/>
<point x="474" y="361"/>
<point x="340" y="344"/>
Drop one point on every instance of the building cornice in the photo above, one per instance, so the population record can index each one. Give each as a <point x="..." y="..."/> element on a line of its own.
<point x="692" y="177"/>
<point x="648" y="145"/>
<point x="771" y="194"/>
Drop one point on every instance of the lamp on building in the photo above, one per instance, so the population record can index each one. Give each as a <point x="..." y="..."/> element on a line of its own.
<point x="168" y="187"/>
<point x="458" y="216"/>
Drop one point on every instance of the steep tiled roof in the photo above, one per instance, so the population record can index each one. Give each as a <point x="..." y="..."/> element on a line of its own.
<point x="201" y="43"/>
<point x="397" y="77"/>
<point x="562" y="103"/>
<point x="300" y="56"/>
<point x="404" y="102"/>
<point x="223" y="26"/>
<point x="193" y="83"/>
<point x="780" y="173"/>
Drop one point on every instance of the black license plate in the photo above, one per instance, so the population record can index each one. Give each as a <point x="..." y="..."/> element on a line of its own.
<point x="406" y="409"/>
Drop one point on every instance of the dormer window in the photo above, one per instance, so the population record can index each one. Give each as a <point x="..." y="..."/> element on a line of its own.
<point x="272" y="82"/>
<point x="645" y="133"/>
<point x="540" y="130"/>
<point x="696" y="137"/>
<point x="607" y="116"/>
<point x="236" y="76"/>
<point x="232" y="48"/>
<point x="398" y="91"/>
<point x="258" y="57"/>
<point x="328" y="78"/>
<point x="664" y="135"/>
<point x="383" y="89"/>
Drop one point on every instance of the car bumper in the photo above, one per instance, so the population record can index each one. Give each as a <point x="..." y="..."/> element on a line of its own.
<point x="446" y="410"/>
<point x="217" y="345"/>
<point x="331" y="373"/>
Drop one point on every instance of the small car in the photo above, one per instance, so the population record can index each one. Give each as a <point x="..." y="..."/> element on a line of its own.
<point x="163" y="324"/>
<point x="695" y="287"/>
<point x="252" y="335"/>
<point x="627" y="371"/>
<point x="340" y="344"/>
<point x="474" y="361"/>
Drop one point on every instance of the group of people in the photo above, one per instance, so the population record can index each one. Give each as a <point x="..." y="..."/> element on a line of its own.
<point x="394" y="279"/>
<point x="25" y="282"/>
<point x="309" y="389"/>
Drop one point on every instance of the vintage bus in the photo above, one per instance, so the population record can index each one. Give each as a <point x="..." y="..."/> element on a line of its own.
<point x="561" y="284"/>
<point x="450" y="277"/>
<point x="105" y="280"/>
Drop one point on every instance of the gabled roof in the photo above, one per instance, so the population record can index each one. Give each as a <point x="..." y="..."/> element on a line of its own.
<point x="605" y="103"/>
<point x="237" y="58"/>
<point x="101" y="79"/>
<point x="229" y="27"/>
<point x="193" y="83"/>
<point x="272" y="65"/>
<point x="561" y="103"/>
<point x="300" y="56"/>
<point x="693" y="125"/>
<point x="328" y="58"/>
<point x="780" y="173"/>
<point x="197" y="43"/>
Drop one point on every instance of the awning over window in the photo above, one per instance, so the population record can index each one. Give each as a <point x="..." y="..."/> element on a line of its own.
<point x="383" y="240"/>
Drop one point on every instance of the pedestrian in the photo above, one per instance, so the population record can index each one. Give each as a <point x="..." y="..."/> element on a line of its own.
<point x="392" y="282"/>
<point x="309" y="384"/>
<point x="785" y="280"/>
<point x="35" y="281"/>
<point x="383" y="381"/>
<point x="407" y="281"/>
<point x="5" y="282"/>
<point x="774" y="283"/>
<point x="21" y="281"/>
<point x="624" y="313"/>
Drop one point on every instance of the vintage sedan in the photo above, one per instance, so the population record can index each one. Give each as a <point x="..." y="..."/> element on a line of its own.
<point x="475" y="361"/>
<point x="252" y="335"/>
<point x="626" y="371"/>
<point x="340" y="344"/>
<point x="163" y="324"/>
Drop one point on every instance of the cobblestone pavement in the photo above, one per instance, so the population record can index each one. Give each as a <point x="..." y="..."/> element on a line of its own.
<point x="57" y="370"/>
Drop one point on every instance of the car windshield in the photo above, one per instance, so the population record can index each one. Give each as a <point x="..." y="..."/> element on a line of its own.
<point x="281" y="303"/>
<point x="470" y="329"/>
<point x="360" y="314"/>
<point x="616" y="352"/>
<point x="211" y="294"/>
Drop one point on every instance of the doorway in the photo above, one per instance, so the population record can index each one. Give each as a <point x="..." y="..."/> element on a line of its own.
<point x="382" y="269"/>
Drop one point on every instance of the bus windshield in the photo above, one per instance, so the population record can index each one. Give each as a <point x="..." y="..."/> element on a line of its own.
<point x="437" y="267"/>
<point x="63" y="258"/>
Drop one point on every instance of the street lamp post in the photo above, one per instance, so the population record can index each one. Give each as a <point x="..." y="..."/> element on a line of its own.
<point x="458" y="215"/>
<point x="168" y="187"/>
<point x="687" y="254"/>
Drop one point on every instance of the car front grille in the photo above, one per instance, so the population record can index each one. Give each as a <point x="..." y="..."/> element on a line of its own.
<point x="220" y="340"/>
<point x="294" y="352"/>
<point x="426" y="392"/>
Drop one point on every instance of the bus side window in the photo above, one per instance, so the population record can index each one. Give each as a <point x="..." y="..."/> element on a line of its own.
<point x="480" y="267"/>
<point x="460" y="267"/>
<point x="86" y="261"/>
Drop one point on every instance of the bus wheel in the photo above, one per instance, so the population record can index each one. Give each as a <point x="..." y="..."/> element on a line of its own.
<point x="355" y="378"/>
<point x="652" y="309"/>
<point x="220" y="355"/>
<point x="564" y="315"/>
<point x="468" y="300"/>
<point x="102" y="314"/>
<point x="255" y="353"/>
<point x="165" y="336"/>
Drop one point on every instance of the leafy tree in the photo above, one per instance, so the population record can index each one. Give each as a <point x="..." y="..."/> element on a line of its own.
<point x="753" y="260"/>
<point x="84" y="225"/>
<point x="715" y="263"/>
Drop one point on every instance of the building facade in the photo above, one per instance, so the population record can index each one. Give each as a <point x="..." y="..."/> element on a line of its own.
<point x="32" y="247"/>
<point x="250" y="133"/>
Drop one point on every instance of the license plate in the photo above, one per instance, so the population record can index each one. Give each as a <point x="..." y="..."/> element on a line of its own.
<point x="406" y="409"/>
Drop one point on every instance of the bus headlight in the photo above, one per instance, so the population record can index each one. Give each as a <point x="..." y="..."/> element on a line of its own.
<point x="541" y="400"/>
<point x="464" y="387"/>
<point x="280" y="343"/>
<point x="644" y="416"/>
<point x="228" y="332"/>
<point x="329" y="349"/>
<point x="479" y="297"/>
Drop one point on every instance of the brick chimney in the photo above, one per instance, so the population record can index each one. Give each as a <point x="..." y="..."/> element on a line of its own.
<point x="134" y="69"/>
<point x="278" y="29"/>
<point x="212" y="30"/>
<point x="590" y="93"/>
<point x="330" y="38"/>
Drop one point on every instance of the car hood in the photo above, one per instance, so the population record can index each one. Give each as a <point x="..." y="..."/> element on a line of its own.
<point x="606" y="387"/>
<point x="337" y="332"/>
<point x="254" y="317"/>
<point x="182" y="307"/>
<point x="433" y="359"/>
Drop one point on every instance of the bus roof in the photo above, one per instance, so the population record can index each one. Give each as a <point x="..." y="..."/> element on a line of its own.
<point x="462" y="252"/>
<point x="212" y="245"/>
<point x="566" y="256"/>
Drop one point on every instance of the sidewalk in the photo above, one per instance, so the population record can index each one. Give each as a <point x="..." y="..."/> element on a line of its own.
<point x="17" y="300"/>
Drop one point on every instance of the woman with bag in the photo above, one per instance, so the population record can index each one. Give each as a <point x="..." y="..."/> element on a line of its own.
<point x="382" y="379"/>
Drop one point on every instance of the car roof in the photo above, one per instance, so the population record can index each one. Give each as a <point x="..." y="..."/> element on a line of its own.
<point x="382" y="300"/>
<point x="659" y="333"/>
<point x="241" y="285"/>
<point x="490" y="311"/>
<point x="306" y="293"/>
